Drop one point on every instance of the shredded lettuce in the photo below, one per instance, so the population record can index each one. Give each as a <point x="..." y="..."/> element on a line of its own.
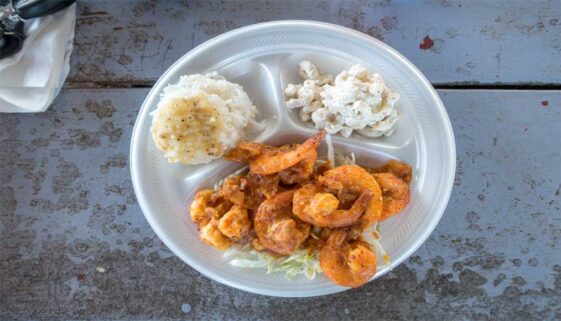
<point x="301" y="262"/>
<point x="372" y="236"/>
<point x="341" y="159"/>
<point x="330" y="149"/>
<point x="336" y="157"/>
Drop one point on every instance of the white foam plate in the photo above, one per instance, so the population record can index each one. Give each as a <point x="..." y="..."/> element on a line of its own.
<point x="263" y="58"/>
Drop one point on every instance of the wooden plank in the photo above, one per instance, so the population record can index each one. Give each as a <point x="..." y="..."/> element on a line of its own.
<point x="475" y="42"/>
<point x="75" y="244"/>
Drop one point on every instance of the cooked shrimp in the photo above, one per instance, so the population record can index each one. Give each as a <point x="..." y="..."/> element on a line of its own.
<point x="395" y="194"/>
<point x="322" y="168"/>
<point x="353" y="179"/>
<point x="401" y="170"/>
<point x="300" y="172"/>
<point x="318" y="236"/>
<point x="235" y="223"/>
<point x="318" y="208"/>
<point x="245" y="151"/>
<point x="218" y="205"/>
<point x="275" y="226"/>
<point x="276" y="160"/>
<point x="197" y="210"/>
<point x="251" y="190"/>
<point x="347" y="263"/>
<point x="211" y="235"/>
<point x="312" y="199"/>
<point x="231" y="189"/>
<point x="257" y="188"/>
<point x="208" y="204"/>
<point x="267" y="185"/>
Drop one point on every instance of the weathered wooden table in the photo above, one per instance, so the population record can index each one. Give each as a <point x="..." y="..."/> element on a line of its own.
<point x="75" y="245"/>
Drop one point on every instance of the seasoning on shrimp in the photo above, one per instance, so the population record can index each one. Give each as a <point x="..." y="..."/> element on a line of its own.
<point x="402" y="170"/>
<point x="235" y="223"/>
<point x="274" y="160"/>
<point x="395" y="194"/>
<point x="347" y="262"/>
<point x="315" y="206"/>
<point x="352" y="179"/>
<point x="288" y="203"/>
<point x="302" y="171"/>
<point x="277" y="228"/>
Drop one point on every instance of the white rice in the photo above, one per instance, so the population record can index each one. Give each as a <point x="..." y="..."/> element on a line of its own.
<point x="230" y="101"/>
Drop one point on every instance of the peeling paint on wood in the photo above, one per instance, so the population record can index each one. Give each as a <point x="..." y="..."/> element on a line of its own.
<point x="123" y="42"/>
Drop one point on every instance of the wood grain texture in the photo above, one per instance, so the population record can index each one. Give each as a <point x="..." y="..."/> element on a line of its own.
<point x="119" y="43"/>
<point x="75" y="244"/>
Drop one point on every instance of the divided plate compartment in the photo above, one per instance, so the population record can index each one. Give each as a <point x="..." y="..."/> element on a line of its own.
<point x="263" y="59"/>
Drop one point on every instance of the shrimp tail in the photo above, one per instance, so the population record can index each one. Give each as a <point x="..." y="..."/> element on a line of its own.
<point x="277" y="160"/>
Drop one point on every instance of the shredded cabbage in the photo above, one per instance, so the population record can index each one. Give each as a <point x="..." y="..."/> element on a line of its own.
<point x="372" y="236"/>
<point x="301" y="262"/>
<point x="341" y="159"/>
<point x="330" y="149"/>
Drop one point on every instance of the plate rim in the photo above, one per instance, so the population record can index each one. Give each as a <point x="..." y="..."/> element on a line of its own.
<point x="428" y="88"/>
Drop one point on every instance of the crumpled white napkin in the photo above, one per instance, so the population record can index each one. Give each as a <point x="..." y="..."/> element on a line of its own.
<point x="31" y="79"/>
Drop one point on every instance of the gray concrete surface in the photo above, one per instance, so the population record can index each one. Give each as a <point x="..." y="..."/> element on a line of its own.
<point x="74" y="244"/>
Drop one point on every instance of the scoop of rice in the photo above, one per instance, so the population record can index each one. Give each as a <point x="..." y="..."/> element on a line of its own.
<point x="200" y="118"/>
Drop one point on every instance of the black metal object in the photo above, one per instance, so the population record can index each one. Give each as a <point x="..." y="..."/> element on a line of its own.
<point x="12" y="33"/>
<point x="28" y="9"/>
<point x="11" y="36"/>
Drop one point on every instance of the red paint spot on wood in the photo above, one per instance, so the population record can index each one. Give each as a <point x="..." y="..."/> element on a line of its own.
<point x="545" y="103"/>
<point x="81" y="277"/>
<point x="427" y="43"/>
